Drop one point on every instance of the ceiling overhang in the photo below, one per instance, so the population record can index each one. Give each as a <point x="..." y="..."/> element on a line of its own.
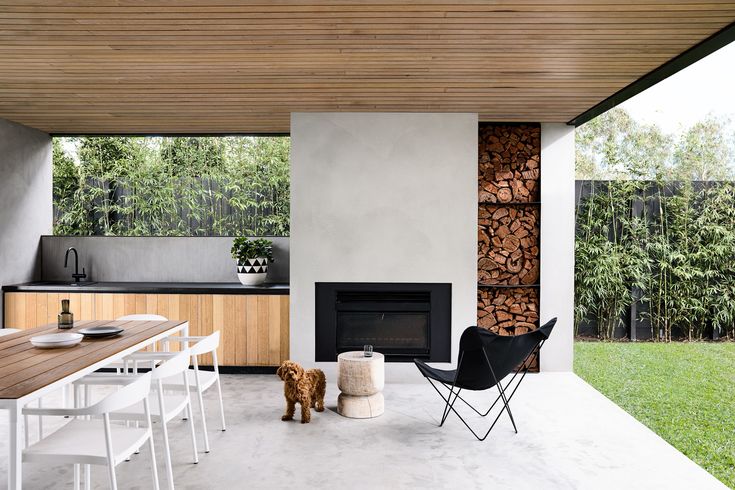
<point x="164" y="67"/>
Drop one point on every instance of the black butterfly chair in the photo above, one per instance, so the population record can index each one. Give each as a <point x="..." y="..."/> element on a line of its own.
<point x="485" y="358"/>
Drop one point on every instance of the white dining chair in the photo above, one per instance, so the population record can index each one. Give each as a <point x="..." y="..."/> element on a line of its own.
<point x="123" y="365"/>
<point x="198" y="379"/>
<point x="90" y="440"/>
<point x="169" y="405"/>
<point x="8" y="331"/>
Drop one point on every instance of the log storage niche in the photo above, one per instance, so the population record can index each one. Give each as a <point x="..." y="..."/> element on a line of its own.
<point x="509" y="219"/>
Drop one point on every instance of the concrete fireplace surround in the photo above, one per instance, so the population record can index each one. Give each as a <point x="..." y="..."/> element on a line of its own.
<point x="392" y="197"/>
<point x="381" y="198"/>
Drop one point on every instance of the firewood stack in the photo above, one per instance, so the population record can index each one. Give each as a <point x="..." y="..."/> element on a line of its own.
<point x="508" y="228"/>
<point x="508" y="311"/>
<point x="508" y="238"/>
<point x="509" y="166"/>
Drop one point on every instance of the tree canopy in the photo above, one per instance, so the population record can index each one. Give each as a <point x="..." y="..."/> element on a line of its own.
<point x="615" y="146"/>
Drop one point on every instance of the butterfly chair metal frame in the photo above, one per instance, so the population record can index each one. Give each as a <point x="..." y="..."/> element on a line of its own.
<point x="453" y="396"/>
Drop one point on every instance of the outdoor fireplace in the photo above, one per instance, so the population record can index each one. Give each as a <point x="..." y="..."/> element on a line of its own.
<point x="403" y="321"/>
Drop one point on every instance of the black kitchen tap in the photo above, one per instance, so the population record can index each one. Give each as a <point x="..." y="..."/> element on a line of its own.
<point x="77" y="276"/>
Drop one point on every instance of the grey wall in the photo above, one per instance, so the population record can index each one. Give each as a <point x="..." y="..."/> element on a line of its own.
<point x="154" y="259"/>
<point x="25" y="201"/>
<point x="382" y="197"/>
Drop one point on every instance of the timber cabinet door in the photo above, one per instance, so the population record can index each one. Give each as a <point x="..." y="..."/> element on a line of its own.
<point x="254" y="328"/>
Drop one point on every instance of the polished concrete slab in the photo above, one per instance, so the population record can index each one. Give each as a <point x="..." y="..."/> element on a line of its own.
<point x="570" y="437"/>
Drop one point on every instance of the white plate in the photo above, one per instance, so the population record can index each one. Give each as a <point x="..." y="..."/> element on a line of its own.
<point x="50" y="341"/>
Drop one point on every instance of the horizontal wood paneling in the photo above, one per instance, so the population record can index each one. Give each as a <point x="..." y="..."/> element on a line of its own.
<point x="237" y="66"/>
<point x="254" y="328"/>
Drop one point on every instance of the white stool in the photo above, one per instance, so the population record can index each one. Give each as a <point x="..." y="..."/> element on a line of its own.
<point x="361" y="380"/>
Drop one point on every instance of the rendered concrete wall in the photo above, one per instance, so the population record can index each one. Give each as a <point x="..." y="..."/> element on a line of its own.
<point x="25" y="201"/>
<point x="382" y="197"/>
<point x="155" y="259"/>
<point x="557" y="244"/>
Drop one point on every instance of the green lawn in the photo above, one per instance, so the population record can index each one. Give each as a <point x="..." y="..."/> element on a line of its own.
<point x="685" y="392"/>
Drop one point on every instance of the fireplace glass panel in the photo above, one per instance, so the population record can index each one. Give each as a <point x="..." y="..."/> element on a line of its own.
<point x="404" y="332"/>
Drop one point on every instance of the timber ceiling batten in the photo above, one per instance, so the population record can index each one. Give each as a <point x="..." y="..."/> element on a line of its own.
<point x="227" y="66"/>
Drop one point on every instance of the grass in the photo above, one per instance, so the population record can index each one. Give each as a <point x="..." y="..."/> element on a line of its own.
<point x="685" y="392"/>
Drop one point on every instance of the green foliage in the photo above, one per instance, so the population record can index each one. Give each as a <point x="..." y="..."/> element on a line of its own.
<point x="181" y="186"/>
<point x="704" y="151"/>
<point x="615" y="146"/>
<point x="681" y="391"/>
<point x="609" y="261"/>
<point x="652" y="235"/>
<point x="245" y="248"/>
<point x="678" y="259"/>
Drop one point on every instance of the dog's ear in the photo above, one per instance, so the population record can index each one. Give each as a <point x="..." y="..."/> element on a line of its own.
<point x="281" y="370"/>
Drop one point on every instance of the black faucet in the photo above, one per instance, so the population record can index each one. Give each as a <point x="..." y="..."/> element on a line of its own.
<point x="76" y="274"/>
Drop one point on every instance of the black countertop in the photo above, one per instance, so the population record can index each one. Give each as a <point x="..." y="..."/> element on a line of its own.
<point x="148" y="288"/>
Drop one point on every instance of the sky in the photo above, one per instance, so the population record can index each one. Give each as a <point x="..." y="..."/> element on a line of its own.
<point x="707" y="86"/>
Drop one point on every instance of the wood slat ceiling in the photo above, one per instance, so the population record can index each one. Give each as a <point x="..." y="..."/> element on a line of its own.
<point x="227" y="66"/>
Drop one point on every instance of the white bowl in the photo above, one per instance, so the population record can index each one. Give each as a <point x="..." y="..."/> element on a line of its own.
<point x="53" y="340"/>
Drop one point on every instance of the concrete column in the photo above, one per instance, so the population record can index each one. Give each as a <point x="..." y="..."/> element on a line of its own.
<point x="557" y="244"/>
<point x="26" y="210"/>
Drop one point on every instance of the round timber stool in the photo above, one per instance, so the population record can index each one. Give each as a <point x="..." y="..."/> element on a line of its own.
<point x="360" y="380"/>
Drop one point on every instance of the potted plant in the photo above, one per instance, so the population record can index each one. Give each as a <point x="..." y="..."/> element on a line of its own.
<point x="252" y="256"/>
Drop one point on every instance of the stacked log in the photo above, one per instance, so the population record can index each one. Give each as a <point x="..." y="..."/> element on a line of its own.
<point x="508" y="230"/>
<point x="508" y="311"/>
<point x="509" y="164"/>
<point x="508" y="245"/>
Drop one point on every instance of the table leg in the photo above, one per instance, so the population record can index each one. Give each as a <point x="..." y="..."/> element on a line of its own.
<point x="15" y="456"/>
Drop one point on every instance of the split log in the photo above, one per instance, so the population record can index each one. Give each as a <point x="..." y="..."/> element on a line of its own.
<point x="509" y="311"/>
<point x="508" y="245"/>
<point x="510" y="157"/>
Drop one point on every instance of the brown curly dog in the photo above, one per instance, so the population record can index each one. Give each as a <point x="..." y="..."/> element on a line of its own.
<point x="304" y="387"/>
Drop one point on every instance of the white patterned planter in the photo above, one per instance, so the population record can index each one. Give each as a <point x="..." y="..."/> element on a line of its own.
<point x="252" y="272"/>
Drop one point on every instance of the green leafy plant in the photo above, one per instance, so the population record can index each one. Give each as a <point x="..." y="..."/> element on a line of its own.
<point x="246" y="248"/>
<point x="172" y="186"/>
<point x="659" y="232"/>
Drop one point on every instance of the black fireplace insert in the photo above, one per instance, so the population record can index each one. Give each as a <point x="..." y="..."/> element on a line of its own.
<point x="403" y="321"/>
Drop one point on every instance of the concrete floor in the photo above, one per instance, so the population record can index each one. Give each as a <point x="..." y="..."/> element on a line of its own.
<point x="570" y="436"/>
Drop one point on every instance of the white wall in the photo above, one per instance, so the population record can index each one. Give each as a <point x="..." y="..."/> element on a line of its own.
<point x="382" y="197"/>
<point x="557" y="244"/>
<point x="25" y="201"/>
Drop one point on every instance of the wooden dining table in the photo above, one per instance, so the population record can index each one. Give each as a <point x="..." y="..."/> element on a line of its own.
<point x="27" y="373"/>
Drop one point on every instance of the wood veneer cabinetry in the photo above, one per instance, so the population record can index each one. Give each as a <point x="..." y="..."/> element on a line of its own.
<point x="254" y="328"/>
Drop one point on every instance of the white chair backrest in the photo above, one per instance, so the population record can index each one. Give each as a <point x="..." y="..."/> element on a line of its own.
<point x="176" y="365"/>
<point x="124" y="397"/>
<point x="207" y="344"/>
<point x="143" y="318"/>
<point x="8" y="331"/>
